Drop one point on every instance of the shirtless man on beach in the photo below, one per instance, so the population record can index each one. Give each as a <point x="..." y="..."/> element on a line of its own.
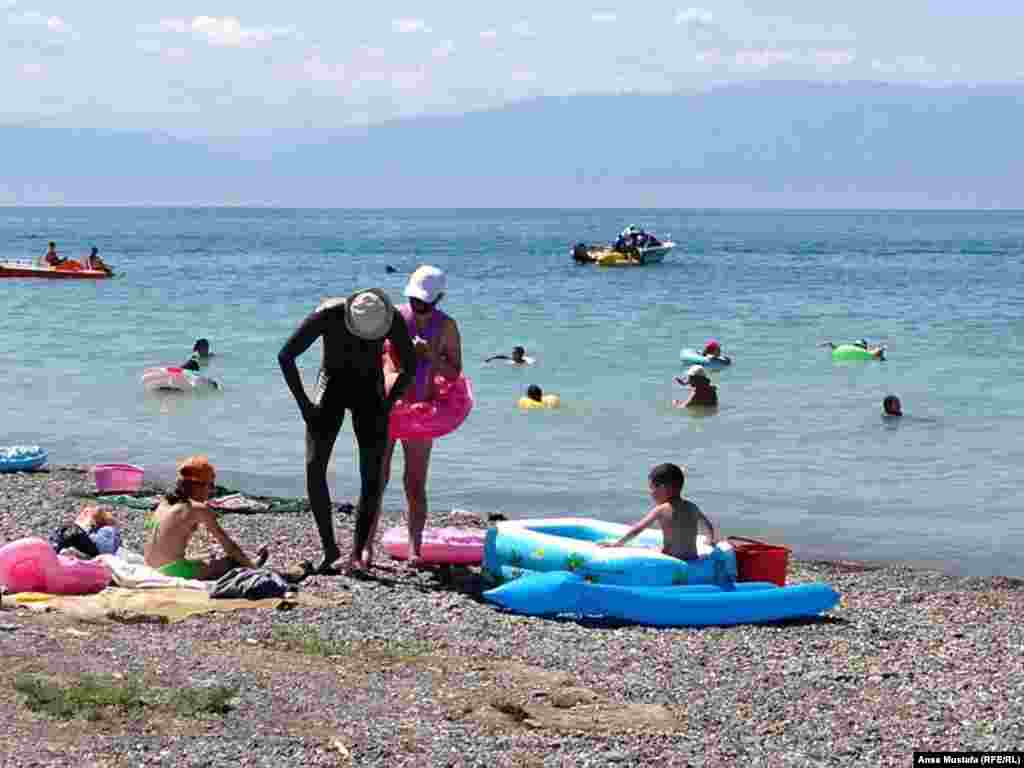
<point x="172" y="524"/>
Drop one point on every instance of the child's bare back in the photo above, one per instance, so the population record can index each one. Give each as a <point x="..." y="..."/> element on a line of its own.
<point x="681" y="522"/>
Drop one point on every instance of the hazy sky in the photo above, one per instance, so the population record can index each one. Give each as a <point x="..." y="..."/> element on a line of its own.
<point x="230" y="67"/>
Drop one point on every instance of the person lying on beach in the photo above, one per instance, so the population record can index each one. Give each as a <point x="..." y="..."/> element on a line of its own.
<point x="702" y="392"/>
<point x="518" y="357"/>
<point x="171" y="525"/>
<point x="891" y="406"/>
<point x="875" y="350"/>
<point x="681" y="520"/>
<point x="92" y="533"/>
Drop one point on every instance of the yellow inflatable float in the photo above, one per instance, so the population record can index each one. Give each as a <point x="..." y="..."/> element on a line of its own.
<point x="547" y="401"/>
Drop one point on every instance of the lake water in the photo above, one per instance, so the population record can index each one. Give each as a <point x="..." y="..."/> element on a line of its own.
<point x="797" y="453"/>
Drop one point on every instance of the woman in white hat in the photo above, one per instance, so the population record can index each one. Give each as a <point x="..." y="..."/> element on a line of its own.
<point x="351" y="376"/>
<point x="702" y="392"/>
<point x="439" y="352"/>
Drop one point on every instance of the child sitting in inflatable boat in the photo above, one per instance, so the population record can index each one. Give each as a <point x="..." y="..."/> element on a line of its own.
<point x="681" y="520"/>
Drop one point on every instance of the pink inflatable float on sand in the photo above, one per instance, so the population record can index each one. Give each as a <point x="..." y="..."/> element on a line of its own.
<point x="452" y="402"/>
<point x="444" y="546"/>
<point x="30" y="565"/>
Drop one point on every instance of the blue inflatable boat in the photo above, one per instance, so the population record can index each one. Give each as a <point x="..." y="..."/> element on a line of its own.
<point x="517" y="548"/>
<point x="705" y="605"/>
<point x="693" y="357"/>
<point x="22" y="458"/>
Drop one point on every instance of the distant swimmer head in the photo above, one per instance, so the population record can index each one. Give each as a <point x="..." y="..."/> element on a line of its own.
<point x="390" y="270"/>
<point x="202" y="347"/>
<point x="425" y="288"/>
<point x="535" y="393"/>
<point x="368" y="314"/>
<point x="94" y="251"/>
<point x="712" y="347"/>
<point x="892" y="406"/>
<point x="518" y="354"/>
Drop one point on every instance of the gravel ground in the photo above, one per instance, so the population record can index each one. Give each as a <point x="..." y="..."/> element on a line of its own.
<point x="422" y="672"/>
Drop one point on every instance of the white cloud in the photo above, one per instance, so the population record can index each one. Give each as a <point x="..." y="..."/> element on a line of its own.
<point x="406" y="26"/>
<point x="227" y="31"/>
<point x="372" y="52"/>
<point x="443" y="50"/>
<point x="176" y="54"/>
<point x="408" y="80"/>
<point x="523" y="76"/>
<point x="179" y="26"/>
<point x="603" y="17"/>
<point x="32" y="70"/>
<point x="55" y="24"/>
<point x="489" y="34"/>
<point x="762" y="58"/>
<point x="315" y="68"/>
<point x="833" y="58"/>
<point x="37" y="19"/>
<point x="697" y="17"/>
<point x="522" y="29"/>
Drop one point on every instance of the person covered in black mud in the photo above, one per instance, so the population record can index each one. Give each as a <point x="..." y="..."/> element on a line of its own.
<point x="351" y="377"/>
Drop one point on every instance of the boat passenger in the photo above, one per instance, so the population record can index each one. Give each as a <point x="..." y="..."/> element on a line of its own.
<point x="51" y="257"/>
<point x="703" y="393"/>
<point x="681" y="520"/>
<point x="180" y="513"/>
<point x="93" y="261"/>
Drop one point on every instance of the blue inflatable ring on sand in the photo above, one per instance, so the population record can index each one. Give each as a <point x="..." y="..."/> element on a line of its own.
<point x="22" y="458"/>
<point x="516" y="548"/>
<point x="705" y="605"/>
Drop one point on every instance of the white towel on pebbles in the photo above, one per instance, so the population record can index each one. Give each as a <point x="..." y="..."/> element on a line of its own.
<point x="129" y="570"/>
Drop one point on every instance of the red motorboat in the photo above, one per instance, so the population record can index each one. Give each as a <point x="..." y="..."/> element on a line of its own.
<point x="63" y="272"/>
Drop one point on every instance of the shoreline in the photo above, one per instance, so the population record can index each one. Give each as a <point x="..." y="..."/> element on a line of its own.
<point x="425" y="673"/>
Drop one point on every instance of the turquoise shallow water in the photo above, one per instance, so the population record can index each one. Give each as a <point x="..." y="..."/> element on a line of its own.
<point x="798" y="451"/>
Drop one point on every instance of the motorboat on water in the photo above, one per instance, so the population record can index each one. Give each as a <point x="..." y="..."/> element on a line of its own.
<point x="633" y="247"/>
<point x="67" y="271"/>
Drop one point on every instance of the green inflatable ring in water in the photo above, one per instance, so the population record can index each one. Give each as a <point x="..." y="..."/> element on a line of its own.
<point x="852" y="352"/>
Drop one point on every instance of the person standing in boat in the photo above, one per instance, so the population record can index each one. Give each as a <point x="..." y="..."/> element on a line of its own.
<point x="439" y="353"/>
<point x="351" y="377"/>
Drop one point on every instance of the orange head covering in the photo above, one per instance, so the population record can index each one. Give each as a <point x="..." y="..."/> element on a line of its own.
<point x="197" y="469"/>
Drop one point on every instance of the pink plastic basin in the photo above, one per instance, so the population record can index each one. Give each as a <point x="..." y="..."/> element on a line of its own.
<point x="118" y="477"/>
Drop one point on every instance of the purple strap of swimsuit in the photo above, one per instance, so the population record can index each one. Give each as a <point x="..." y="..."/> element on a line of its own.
<point x="436" y="318"/>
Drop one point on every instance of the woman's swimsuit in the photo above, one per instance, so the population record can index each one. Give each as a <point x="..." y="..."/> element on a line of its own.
<point x="437" y="318"/>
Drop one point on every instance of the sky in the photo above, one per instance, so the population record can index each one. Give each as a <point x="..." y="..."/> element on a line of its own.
<point x="231" y="68"/>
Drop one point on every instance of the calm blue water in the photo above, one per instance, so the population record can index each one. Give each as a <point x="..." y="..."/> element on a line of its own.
<point x="797" y="453"/>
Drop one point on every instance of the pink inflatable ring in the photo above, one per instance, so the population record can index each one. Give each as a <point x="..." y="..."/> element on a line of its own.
<point x="444" y="546"/>
<point x="31" y="565"/>
<point x="453" y="400"/>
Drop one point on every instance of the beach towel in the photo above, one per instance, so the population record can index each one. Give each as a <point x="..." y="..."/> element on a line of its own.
<point x="129" y="570"/>
<point x="162" y="604"/>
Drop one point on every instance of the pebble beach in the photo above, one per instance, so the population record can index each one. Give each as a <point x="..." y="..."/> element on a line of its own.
<point x="414" y="668"/>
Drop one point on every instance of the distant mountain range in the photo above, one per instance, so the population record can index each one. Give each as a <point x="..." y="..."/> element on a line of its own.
<point x="789" y="144"/>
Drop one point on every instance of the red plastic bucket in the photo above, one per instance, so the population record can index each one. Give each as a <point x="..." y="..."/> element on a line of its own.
<point x="759" y="561"/>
